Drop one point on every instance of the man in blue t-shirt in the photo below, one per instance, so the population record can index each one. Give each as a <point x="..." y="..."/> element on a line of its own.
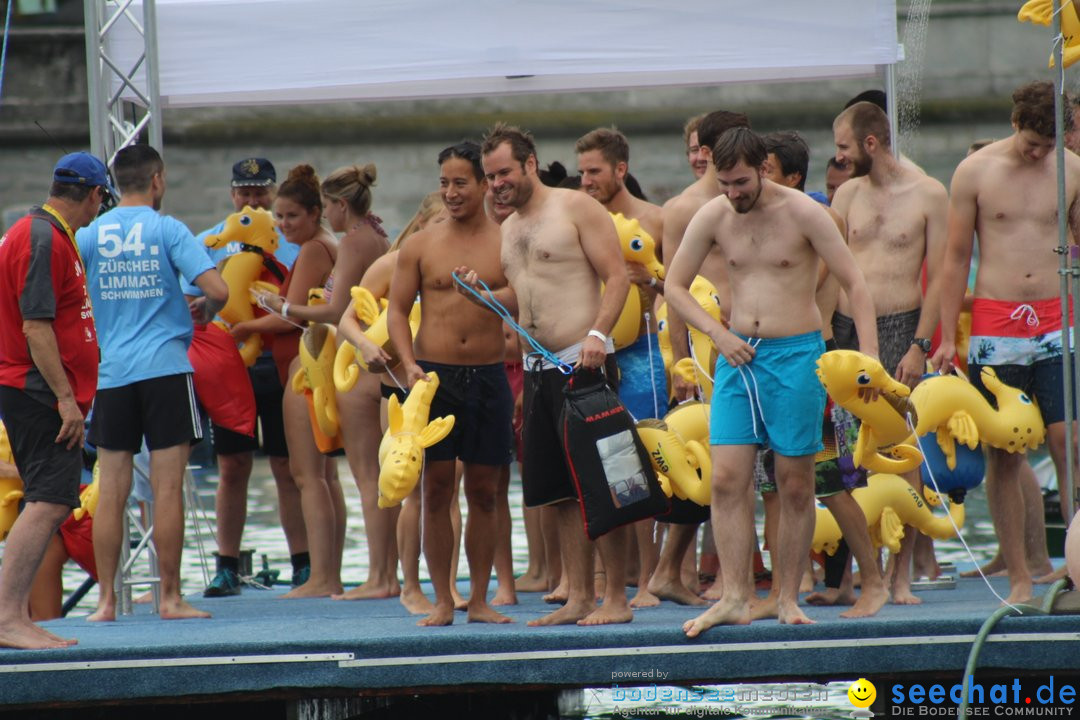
<point x="133" y="256"/>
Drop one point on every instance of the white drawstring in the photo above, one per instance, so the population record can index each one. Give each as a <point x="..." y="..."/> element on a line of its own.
<point x="652" y="373"/>
<point x="753" y="396"/>
<point x="1026" y="313"/>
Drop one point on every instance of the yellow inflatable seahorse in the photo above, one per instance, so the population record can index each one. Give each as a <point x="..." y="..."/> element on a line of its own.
<point x="1041" y="12"/>
<point x="889" y="502"/>
<point x="959" y="413"/>
<point x="401" y="453"/>
<point x="11" y="487"/>
<point x="699" y="367"/>
<point x="885" y="442"/>
<point x="252" y="228"/>
<point x="637" y="245"/>
<point x="371" y="314"/>
<point x="88" y="498"/>
<point x="685" y="464"/>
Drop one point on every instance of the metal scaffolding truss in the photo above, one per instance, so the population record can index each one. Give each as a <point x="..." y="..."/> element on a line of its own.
<point x="116" y="123"/>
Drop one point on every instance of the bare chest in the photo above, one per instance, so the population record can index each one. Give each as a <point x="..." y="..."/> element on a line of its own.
<point x="886" y="225"/>
<point x="539" y="245"/>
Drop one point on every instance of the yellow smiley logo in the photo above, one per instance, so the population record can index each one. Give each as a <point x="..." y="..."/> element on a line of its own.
<point x="862" y="693"/>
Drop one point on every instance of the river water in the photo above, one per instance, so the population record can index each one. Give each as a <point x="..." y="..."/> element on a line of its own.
<point x="198" y="195"/>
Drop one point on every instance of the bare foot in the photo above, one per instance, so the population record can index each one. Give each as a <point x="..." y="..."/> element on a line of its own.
<point x="179" y="609"/>
<point x="144" y="599"/>
<point x="831" y="596"/>
<point x="1052" y="576"/>
<point x="990" y="569"/>
<point x="792" y="614"/>
<point x="504" y="597"/>
<point x="870" y="601"/>
<point x="725" y="612"/>
<point x="311" y="590"/>
<point x="806" y="584"/>
<point x="483" y="613"/>
<point x="104" y="613"/>
<point x="766" y="607"/>
<point x="568" y="614"/>
<point x="903" y="596"/>
<point x="67" y="642"/>
<point x="608" y="614"/>
<point x="676" y="592"/>
<point x="440" y="615"/>
<point x="558" y="596"/>
<point x="27" y="636"/>
<point x="643" y="598"/>
<point x="460" y="603"/>
<point x="715" y="592"/>
<point x="369" y="591"/>
<point x="1020" y="593"/>
<point x="416" y="602"/>
<point x="530" y="583"/>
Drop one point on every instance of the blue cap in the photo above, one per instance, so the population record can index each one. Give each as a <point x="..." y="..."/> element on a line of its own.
<point x="84" y="169"/>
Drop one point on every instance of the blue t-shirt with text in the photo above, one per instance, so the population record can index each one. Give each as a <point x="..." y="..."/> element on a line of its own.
<point x="133" y="256"/>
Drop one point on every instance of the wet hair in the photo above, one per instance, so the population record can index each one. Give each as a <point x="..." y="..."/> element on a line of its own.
<point x="690" y="128"/>
<point x="521" y="142"/>
<point x="353" y="185"/>
<point x="135" y="166"/>
<point x="430" y="206"/>
<point x="468" y="151"/>
<point x="716" y="124"/>
<point x="791" y="151"/>
<point x="739" y="143"/>
<point x="553" y="175"/>
<point x="302" y="187"/>
<point x="866" y="119"/>
<point x="979" y="145"/>
<point x="610" y="142"/>
<point x="877" y="97"/>
<point x="634" y="187"/>
<point x="1033" y="109"/>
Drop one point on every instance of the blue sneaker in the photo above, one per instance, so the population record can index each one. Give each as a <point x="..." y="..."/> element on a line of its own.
<point x="300" y="576"/>
<point x="225" y="583"/>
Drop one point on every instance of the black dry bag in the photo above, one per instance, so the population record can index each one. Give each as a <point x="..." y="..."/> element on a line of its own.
<point x="610" y="467"/>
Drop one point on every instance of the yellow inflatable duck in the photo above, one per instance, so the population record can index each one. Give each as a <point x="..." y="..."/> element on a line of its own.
<point x="371" y="314"/>
<point x="254" y="229"/>
<point x="88" y="498"/>
<point x="638" y="246"/>
<point x="889" y="502"/>
<point x="959" y="413"/>
<point x="631" y="320"/>
<point x="663" y="341"/>
<point x="885" y="442"/>
<point x="685" y="464"/>
<point x="698" y="369"/>
<point x="315" y="378"/>
<point x="401" y="453"/>
<point x="1041" y="12"/>
<point x="11" y="487"/>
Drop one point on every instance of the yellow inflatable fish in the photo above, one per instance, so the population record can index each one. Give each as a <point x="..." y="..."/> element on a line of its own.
<point x="885" y="442"/>
<point x="1041" y="12"/>
<point x="401" y="453"/>
<point x="889" y="502"/>
<point x="11" y="488"/>
<point x="371" y="314"/>
<point x="254" y="229"/>
<point x="316" y="376"/>
<point x="637" y="245"/>
<point x="959" y="413"/>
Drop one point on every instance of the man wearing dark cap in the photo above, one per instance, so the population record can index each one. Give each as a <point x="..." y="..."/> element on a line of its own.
<point x="48" y="376"/>
<point x="253" y="184"/>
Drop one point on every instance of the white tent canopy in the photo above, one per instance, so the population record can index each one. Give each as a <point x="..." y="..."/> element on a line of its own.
<point x="234" y="52"/>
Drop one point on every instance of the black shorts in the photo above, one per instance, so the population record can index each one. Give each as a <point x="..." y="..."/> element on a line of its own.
<point x="478" y="396"/>
<point x="50" y="472"/>
<point x="389" y="391"/>
<point x="162" y="409"/>
<point x="895" y="333"/>
<point x="270" y="425"/>
<point x="1043" y="380"/>
<point x="545" y="477"/>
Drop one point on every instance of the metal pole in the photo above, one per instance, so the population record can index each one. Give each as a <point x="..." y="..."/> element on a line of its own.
<point x="1066" y="489"/>
<point x="891" y="101"/>
<point x="152" y="84"/>
<point x="93" y="12"/>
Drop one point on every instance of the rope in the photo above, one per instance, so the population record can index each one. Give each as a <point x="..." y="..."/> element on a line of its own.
<point x="652" y="372"/>
<point x="3" y="52"/>
<point x="499" y="309"/>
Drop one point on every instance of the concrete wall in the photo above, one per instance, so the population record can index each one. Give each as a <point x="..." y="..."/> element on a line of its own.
<point x="975" y="54"/>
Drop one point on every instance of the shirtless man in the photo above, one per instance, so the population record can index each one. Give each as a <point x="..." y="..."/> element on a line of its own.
<point x="465" y="346"/>
<point x="557" y="248"/>
<point x="603" y="157"/>
<point x="770" y="239"/>
<point x="1006" y="194"/>
<point x="835" y="176"/>
<point x="895" y="216"/>
<point x="699" y="161"/>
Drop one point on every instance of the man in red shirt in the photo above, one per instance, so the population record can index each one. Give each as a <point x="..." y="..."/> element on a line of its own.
<point x="48" y="375"/>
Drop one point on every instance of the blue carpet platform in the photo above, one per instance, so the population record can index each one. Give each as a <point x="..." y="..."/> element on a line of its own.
<point x="257" y="645"/>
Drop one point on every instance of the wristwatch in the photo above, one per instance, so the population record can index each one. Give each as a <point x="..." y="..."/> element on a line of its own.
<point x="923" y="343"/>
